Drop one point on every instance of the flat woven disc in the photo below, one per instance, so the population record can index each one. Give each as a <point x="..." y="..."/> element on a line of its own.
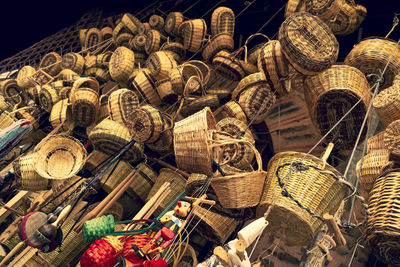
<point x="29" y="225"/>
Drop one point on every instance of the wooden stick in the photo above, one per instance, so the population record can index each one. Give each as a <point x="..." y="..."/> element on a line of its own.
<point x="169" y="166"/>
<point x="334" y="229"/>
<point x="12" y="253"/>
<point x="13" y="210"/>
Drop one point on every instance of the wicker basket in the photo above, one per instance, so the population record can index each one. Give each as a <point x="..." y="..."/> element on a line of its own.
<point x="391" y="137"/>
<point x="60" y="157"/>
<point x="324" y="9"/>
<point x="11" y="92"/>
<point x="110" y="136"/>
<point x="181" y="74"/>
<point x="166" y="91"/>
<point x="164" y="143"/>
<point x="51" y="63"/>
<point x="348" y="19"/>
<point x="138" y="43"/>
<point x="121" y="64"/>
<point x="144" y="28"/>
<point x="316" y="191"/>
<point x="104" y="111"/>
<point x="124" y="39"/>
<point x="131" y="23"/>
<point x="221" y="41"/>
<point x="210" y="101"/>
<point x="6" y="119"/>
<point x="223" y="21"/>
<point x="144" y="83"/>
<point x="85" y="107"/>
<point x="193" y="33"/>
<point x="331" y="94"/>
<point x="228" y="66"/>
<point x="247" y="82"/>
<point x="372" y="54"/>
<point x="308" y="44"/>
<point x="145" y="181"/>
<point x="294" y="6"/>
<point x="156" y="22"/>
<point x="160" y="64"/>
<point x="387" y="105"/>
<point x="86" y="82"/>
<point x="61" y="113"/>
<point x="33" y="93"/>
<point x="26" y="177"/>
<point x="177" y="49"/>
<point x="273" y="64"/>
<point x="106" y="32"/>
<point x="24" y="77"/>
<point x="172" y="23"/>
<point x="232" y="109"/>
<point x="73" y="61"/>
<point x="376" y="142"/>
<point x="153" y="41"/>
<point x="372" y="167"/>
<point x="121" y="103"/>
<point x="93" y="39"/>
<point x="48" y="97"/>
<point x="68" y="75"/>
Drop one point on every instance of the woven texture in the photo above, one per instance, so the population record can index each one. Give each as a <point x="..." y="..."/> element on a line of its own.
<point x="73" y="61"/>
<point x="51" y="63"/>
<point x="210" y="100"/>
<point x="153" y="41"/>
<point x="348" y="19"/>
<point x="391" y="137"/>
<point x="376" y="142"/>
<point x="61" y="113"/>
<point x="228" y="66"/>
<point x="121" y="103"/>
<point x="231" y="109"/>
<point x="144" y="84"/>
<point x="221" y="41"/>
<point x="387" y="105"/>
<point x="102" y="252"/>
<point x="372" y="166"/>
<point x="48" y="96"/>
<point x="30" y="180"/>
<point x="164" y="143"/>
<point x="193" y="33"/>
<point x="324" y="9"/>
<point x="166" y="91"/>
<point x="223" y="21"/>
<point x="172" y="23"/>
<point x="24" y="75"/>
<point x="121" y="64"/>
<point x="85" y="107"/>
<point x="160" y="64"/>
<point x="294" y="6"/>
<point x="97" y="228"/>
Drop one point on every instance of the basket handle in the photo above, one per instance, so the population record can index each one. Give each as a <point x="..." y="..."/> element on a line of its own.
<point x="326" y="154"/>
<point x="198" y="71"/>
<point x="207" y="76"/>
<point x="169" y="121"/>
<point x="230" y="138"/>
<point x="249" y="39"/>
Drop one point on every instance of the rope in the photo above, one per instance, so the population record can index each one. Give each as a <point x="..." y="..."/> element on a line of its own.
<point x="395" y="23"/>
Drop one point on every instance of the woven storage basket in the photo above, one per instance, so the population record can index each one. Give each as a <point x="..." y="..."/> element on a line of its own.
<point x="376" y="142"/>
<point x="294" y="6"/>
<point x="391" y="137"/>
<point x="331" y="94"/>
<point x="177" y="49"/>
<point x="100" y="74"/>
<point x="121" y="103"/>
<point x="181" y="74"/>
<point x="232" y="109"/>
<point x="210" y="101"/>
<point x="160" y="64"/>
<point x="138" y="43"/>
<point x="253" y="53"/>
<point x="193" y="33"/>
<point x="93" y="39"/>
<point x="221" y="41"/>
<point x="131" y="23"/>
<point x="23" y="78"/>
<point x="82" y="36"/>
<point x="387" y="105"/>
<point x="153" y="41"/>
<point x="213" y="226"/>
<point x="308" y="44"/>
<point x="247" y="82"/>
<point x="48" y="97"/>
<point x="324" y="9"/>
<point x="33" y="93"/>
<point x="61" y="113"/>
<point x="166" y="91"/>
<point x="228" y="66"/>
<point x="256" y="102"/>
<point x="86" y="82"/>
<point x="106" y="32"/>
<point x="11" y="92"/>
<point x="110" y="136"/>
<point x="172" y="23"/>
<point x="68" y="75"/>
<point x="156" y="22"/>
<point x="316" y="191"/>
<point x="372" y="167"/>
<point x="124" y="39"/>
<point x="223" y="21"/>
<point x="104" y="112"/>
<point x="383" y="228"/>
<point x="374" y="53"/>
<point x="144" y="28"/>
<point x="26" y="177"/>
<point x="273" y="64"/>
<point x="192" y="142"/>
<point x="121" y="64"/>
<point x="121" y="171"/>
<point x="164" y="143"/>
<point x="65" y="92"/>
<point x="146" y="123"/>
<point x="348" y="19"/>
<point x="145" y="181"/>
<point x="51" y="63"/>
<point x="73" y="61"/>
<point x="85" y="107"/>
<point x="144" y="83"/>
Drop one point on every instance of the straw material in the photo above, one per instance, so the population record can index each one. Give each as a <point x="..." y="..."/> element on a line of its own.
<point x="124" y="39"/>
<point x="85" y="107"/>
<point x="93" y="39"/>
<point x="6" y="119"/>
<point x="247" y="82"/>
<point x="331" y="94"/>
<point x="177" y="186"/>
<point x="172" y="23"/>
<point x="23" y="78"/>
<point x="221" y="41"/>
<point x="273" y="64"/>
<point x="383" y="228"/>
<point x="177" y="49"/>
<point x="144" y="83"/>
<point x="376" y="142"/>
<point x="138" y="43"/>
<point x="144" y="28"/>
<point x="232" y="109"/>
<point x="68" y="75"/>
<point x="110" y="136"/>
<point x="181" y="74"/>
<point x="121" y="103"/>
<point x="153" y="41"/>
<point x="391" y="137"/>
<point x="60" y="157"/>
<point x="387" y="105"/>
<point x="26" y="176"/>
<point x="156" y="22"/>
<point x="319" y="192"/>
<point x="121" y="171"/>
<point x="372" y="54"/>
<point x="164" y="143"/>
<point x="253" y="53"/>
<point x="48" y="96"/>
<point x="29" y="113"/>
<point x="122" y="64"/>
<point x="86" y="82"/>
<point x="131" y="23"/>
<point x="228" y="66"/>
<point x="145" y="180"/>
<point x="193" y="33"/>
<point x="348" y="19"/>
<point x="308" y="44"/>
<point x="223" y="21"/>
<point x="61" y="113"/>
<point x="211" y="101"/>
<point x="191" y="142"/>
<point x="100" y="74"/>
<point x="160" y="64"/>
<point x="166" y="92"/>
<point x="73" y="61"/>
<point x="294" y="6"/>
<point x="40" y="77"/>
<point x="51" y="63"/>
<point x="256" y="102"/>
<point x="372" y="167"/>
<point x="324" y="9"/>
<point x="33" y="93"/>
<point x="106" y="32"/>
<point x="11" y="92"/>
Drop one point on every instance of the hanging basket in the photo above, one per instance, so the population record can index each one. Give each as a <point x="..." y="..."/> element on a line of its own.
<point x="219" y="42"/>
<point x="11" y="92"/>
<point x="228" y="66"/>
<point x="177" y="49"/>
<point x="160" y="64"/>
<point x="247" y="82"/>
<point x="391" y="137"/>
<point x="376" y="142"/>
<point x="24" y="77"/>
<point x="51" y="63"/>
<point x="223" y="21"/>
<point x="172" y="23"/>
<point x="387" y="105"/>
<point x="232" y="109"/>
<point x="121" y="103"/>
<point x="122" y="63"/>
<point x="144" y="83"/>
<point x="294" y="6"/>
<point x="104" y="111"/>
<point x="166" y="91"/>
<point x="85" y="107"/>
<point x="74" y="62"/>
<point x="26" y="177"/>
<point x="348" y="19"/>
<point x="193" y="33"/>
<point x="86" y="82"/>
<point x="324" y="9"/>
<point x="156" y="22"/>
<point x="48" y="97"/>
<point x="372" y="167"/>
<point x="181" y="74"/>
<point x="61" y="113"/>
<point x="92" y="39"/>
<point x="154" y="39"/>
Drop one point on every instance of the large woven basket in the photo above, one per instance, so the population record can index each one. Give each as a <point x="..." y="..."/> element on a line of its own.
<point x="121" y="103"/>
<point x="374" y="53"/>
<point x="324" y="9"/>
<point x="85" y="107"/>
<point x="308" y="44"/>
<point x="391" y="137"/>
<point x="221" y="41"/>
<point x="387" y="105"/>
<point x="160" y="64"/>
<point x="329" y="95"/>
<point x="110" y="136"/>
<point x="223" y="21"/>
<point x="74" y="62"/>
<point x="26" y="177"/>
<point x="144" y="83"/>
<point x="383" y="229"/>
<point x="228" y="66"/>
<point x="51" y="63"/>
<point x="121" y="64"/>
<point x="48" y="97"/>
<point x="61" y="113"/>
<point x="232" y="109"/>
<point x="172" y="23"/>
<point x="376" y="142"/>
<point x="319" y="192"/>
<point x="193" y="33"/>
<point x="181" y="74"/>
<point x="372" y="167"/>
<point x="24" y="77"/>
<point x="191" y="142"/>
<point x="348" y="19"/>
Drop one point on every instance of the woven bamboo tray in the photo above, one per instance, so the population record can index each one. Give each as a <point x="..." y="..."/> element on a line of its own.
<point x="121" y="103"/>
<point x="223" y="21"/>
<point x="372" y="167"/>
<point x="387" y="105"/>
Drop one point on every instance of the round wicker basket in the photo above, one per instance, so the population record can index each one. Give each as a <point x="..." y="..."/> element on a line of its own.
<point x="387" y="105"/>
<point x="156" y="22"/>
<point x="138" y="43"/>
<point x="193" y="33"/>
<point x="121" y="103"/>
<point x="85" y="107"/>
<point x="131" y="23"/>
<point x="160" y="64"/>
<point x="228" y="66"/>
<point x="247" y="82"/>
<point x="26" y="177"/>
<point x="232" y="109"/>
<point x="11" y="92"/>
<point x="324" y="9"/>
<point x="164" y="143"/>
<point x="348" y="19"/>
<point x="93" y="39"/>
<point x="86" y="82"/>
<point x="177" y="49"/>
<point x="153" y="41"/>
<point x="121" y="64"/>
<point x="144" y="84"/>
<point x="48" y="96"/>
<point x="376" y="142"/>
<point x="51" y="63"/>
<point x="221" y="41"/>
<point x="210" y="101"/>
<point x="166" y="91"/>
<point x="24" y="77"/>
<point x="104" y="111"/>
<point x="294" y="6"/>
<point x="61" y="113"/>
<point x="223" y="21"/>
<point x="172" y="23"/>
<point x="73" y="61"/>
<point x="124" y="39"/>
<point x="391" y="137"/>
<point x="372" y="167"/>
<point x="181" y="74"/>
<point x="106" y="32"/>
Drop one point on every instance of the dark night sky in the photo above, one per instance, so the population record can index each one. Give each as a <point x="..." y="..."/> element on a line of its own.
<point x="26" y="22"/>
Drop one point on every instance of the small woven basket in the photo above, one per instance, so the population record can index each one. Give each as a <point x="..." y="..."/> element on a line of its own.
<point x="178" y="50"/>
<point x="181" y="74"/>
<point x="86" y="82"/>
<point x="51" y="63"/>
<point x="324" y="9"/>
<point x="247" y="82"/>
<point x="166" y="91"/>
<point x="156" y="22"/>
<point x="348" y="19"/>
<point x="223" y="21"/>
<point x="144" y="84"/>
<point x="48" y="97"/>
<point x="61" y="113"/>
<point x="221" y="41"/>
<point x="106" y="32"/>
<point x="131" y="22"/>
<point x="92" y="39"/>
<point x="308" y="44"/>
<point x="11" y="92"/>
<point x="74" y="62"/>
<point x="172" y="23"/>
<point x="374" y="53"/>
<point x="104" y="111"/>
<point x="160" y="64"/>
<point x="26" y="177"/>
<point x="376" y="142"/>
<point x="85" y="107"/>
<point x="294" y="6"/>
<point x="387" y="105"/>
<point x="372" y="167"/>
<point x="121" y="103"/>
<point x="228" y="66"/>
<point x="122" y="63"/>
<point x="124" y="39"/>
<point x="391" y="137"/>
<point x="60" y="157"/>
<point x="24" y="77"/>
<point x="138" y="43"/>
<point x="232" y="109"/>
<point x="154" y="39"/>
<point x="193" y="33"/>
<point x="164" y="143"/>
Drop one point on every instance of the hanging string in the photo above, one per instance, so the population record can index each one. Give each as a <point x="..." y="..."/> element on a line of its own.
<point x="247" y="4"/>
<point x="395" y="23"/>
<point x="273" y="16"/>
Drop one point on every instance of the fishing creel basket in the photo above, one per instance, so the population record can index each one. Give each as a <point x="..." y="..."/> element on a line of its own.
<point x="74" y="62"/>
<point x="193" y="33"/>
<point x="223" y="21"/>
<point x="376" y="142"/>
<point x="231" y="109"/>
<point x="160" y="64"/>
<point x="308" y="43"/>
<point x="122" y="63"/>
<point x="110" y="136"/>
<point x="121" y="103"/>
<point x="383" y="228"/>
<point x="391" y="137"/>
<point x="172" y="23"/>
<point x="387" y="105"/>
<point x="331" y="94"/>
<point x="60" y="157"/>
<point x="374" y="53"/>
<point x="51" y="63"/>
<point x="228" y="66"/>
<point x="317" y="191"/>
<point x="372" y="167"/>
<point x="26" y="177"/>
<point x="144" y="84"/>
<point x="85" y="107"/>
<point x="24" y="77"/>
<point x="221" y="41"/>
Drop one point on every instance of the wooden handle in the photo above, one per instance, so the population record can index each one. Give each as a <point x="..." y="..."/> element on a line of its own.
<point x="62" y="215"/>
<point x="326" y="154"/>
<point x="12" y="253"/>
<point x="334" y="229"/>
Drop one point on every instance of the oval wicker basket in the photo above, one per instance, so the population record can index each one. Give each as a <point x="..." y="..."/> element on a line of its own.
<point x="166" y="91"/>
<point x="348" y="19"/>
<point x="61" y="113"/>
<point x="11" y="92"/>
<point x="308" y="44"/>
<point x="324" y="9"/>
<point x="26" y="177"/>
<point x="391" y="137"/>
<point x="154" y="40"/>
<point x="181" y="74"/>
<point x="48" y="97"/>
<point x="121" y="103"/>
<point x="247" y="82"/>
<point x="122" y="63"/>
<point x="24" y="77"/>
<point x="193" y="33"/>
<point x="374" y="53"/>
<point x="331" y="94"/>
<point x="156" y="22"/>
<point x="51" y="63"/>
<point x="372" y="167"/>
<point x="316" y="191"/>
<point x="74" y="62"/>
<point x="160" y="64"/>
<point x="92" y="39"/>
<point x="228" y="66"/>
<point x="387" y="105"/>
<point x="294" y="6"/>
<point x="124" y="39"/>
<point x="86" y="82"/>
<point x="85" y="107"/>
<point x="131" y="23"/>
<point x="210" y="101"/>
<point x="221" y="41"/>
<point x="104" y="111"/>
<point x="376" y="142"/>
<point x="144" y="83"/>
<point x="172" y="23"/>
<point x="223" y="21"/>
<point x="232" y="109"/>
